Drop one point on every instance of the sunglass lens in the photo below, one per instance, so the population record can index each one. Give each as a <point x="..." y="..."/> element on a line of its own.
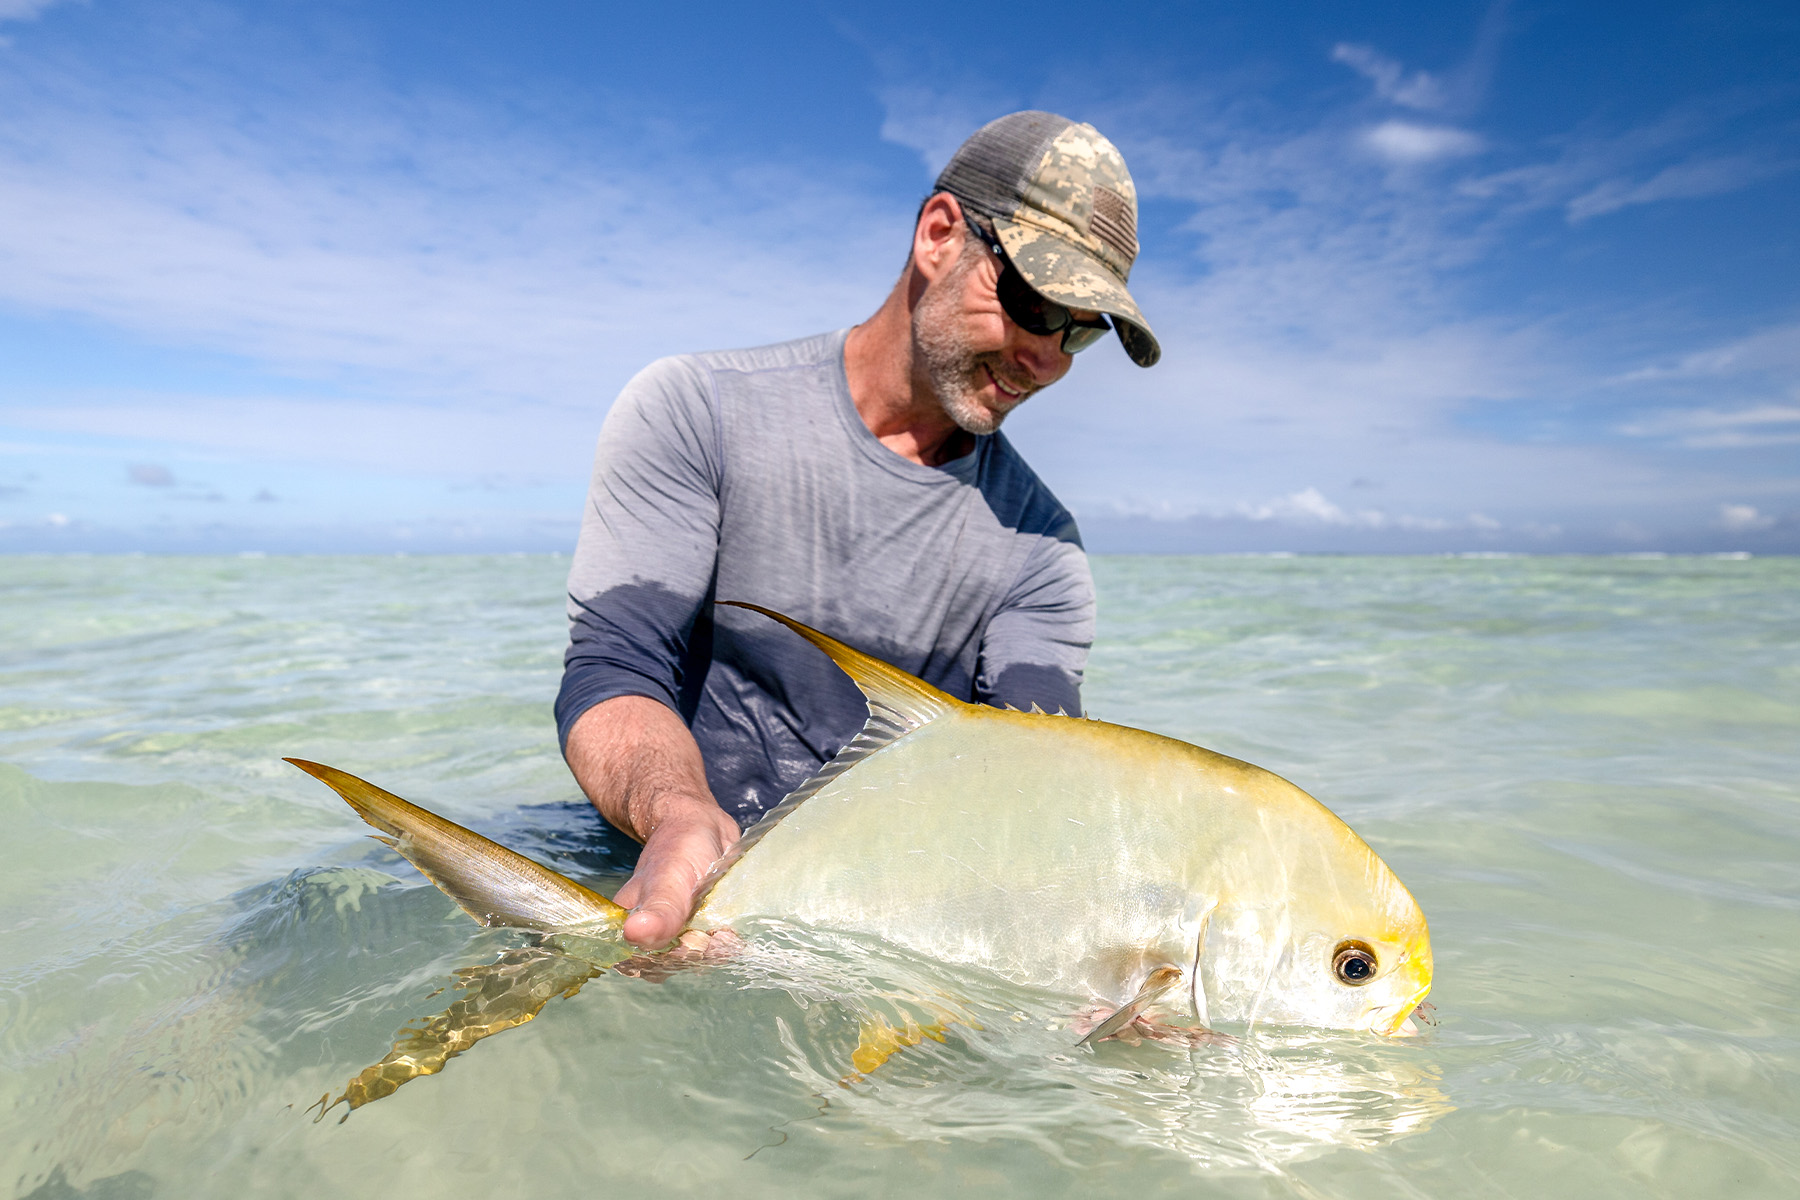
<point x="1077" y="338"/>
<point x="1029" y="311"/>
<point x="1037" y="314"/>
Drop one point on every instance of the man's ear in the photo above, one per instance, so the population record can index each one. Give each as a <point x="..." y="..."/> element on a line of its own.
<point x="938" y="237"/>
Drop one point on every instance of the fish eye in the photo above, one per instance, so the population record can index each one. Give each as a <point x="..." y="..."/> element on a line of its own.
<point x="1354" y="963"/>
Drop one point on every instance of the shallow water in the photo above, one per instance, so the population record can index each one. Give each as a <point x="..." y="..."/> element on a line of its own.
<point x="1587" y="771"/>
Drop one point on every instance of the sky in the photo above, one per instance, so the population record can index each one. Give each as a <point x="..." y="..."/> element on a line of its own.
<point x="365" y="277"/>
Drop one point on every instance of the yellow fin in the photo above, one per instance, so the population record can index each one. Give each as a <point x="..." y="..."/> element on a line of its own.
<point x="495" y="997"/>
<point x="908" y="698"/>
<point x="881" y="1041"/>
<point x="487" y="881"/>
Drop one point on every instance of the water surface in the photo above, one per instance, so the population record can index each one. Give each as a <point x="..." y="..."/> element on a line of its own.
<point x="1587" y="771"/>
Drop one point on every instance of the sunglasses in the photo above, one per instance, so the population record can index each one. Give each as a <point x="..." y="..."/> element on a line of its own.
<point x="1033" y="312"/>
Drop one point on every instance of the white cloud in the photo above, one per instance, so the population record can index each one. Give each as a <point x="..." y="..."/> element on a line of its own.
<point x="1776" y="349"/>
<point x="1743" y="518"/>
<point x="1682" y="181"/>
<point x="1597" y="171"/>
<point x="933" y="120"/>
<point x="1419" y="90"/>
<point x="1405" y="142"/>
<point x="1716" y="429"/>
<point x="1461" y="89"/>
<point x="23" y="10"/>
<point x="1309" y="506"/>
<point x="414" y="244"/>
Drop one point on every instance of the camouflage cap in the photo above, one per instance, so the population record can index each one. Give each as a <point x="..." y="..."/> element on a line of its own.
<point x="1064" y="206"/>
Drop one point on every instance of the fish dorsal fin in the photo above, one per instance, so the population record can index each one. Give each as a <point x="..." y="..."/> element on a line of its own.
<point x="898" y="704"/>
<point x="909" y="700"/>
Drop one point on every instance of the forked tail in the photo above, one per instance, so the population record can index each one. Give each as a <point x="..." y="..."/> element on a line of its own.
<point x="488" y="881"/>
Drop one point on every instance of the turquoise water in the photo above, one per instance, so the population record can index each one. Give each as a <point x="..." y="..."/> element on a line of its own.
<point x="1587" y="771"/>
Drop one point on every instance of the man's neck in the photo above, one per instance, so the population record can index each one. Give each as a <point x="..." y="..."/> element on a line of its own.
<point x="889" y="390"/>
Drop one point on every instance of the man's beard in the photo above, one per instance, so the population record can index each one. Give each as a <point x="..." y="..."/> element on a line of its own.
<point x="957" y="372"/>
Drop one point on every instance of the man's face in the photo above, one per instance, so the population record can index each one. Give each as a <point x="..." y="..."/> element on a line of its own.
<point x="980" y="364"/>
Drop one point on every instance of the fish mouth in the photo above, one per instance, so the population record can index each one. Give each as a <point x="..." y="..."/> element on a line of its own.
<point x="1396" y="1020"/>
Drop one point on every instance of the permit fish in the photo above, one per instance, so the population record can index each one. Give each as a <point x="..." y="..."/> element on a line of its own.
<point x="1122" y="868"/>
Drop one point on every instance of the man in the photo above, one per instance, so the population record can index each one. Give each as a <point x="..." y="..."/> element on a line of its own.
<point x="856" y="482"/>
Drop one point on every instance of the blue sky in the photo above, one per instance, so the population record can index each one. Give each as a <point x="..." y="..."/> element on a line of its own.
<point x="366" y="276"/>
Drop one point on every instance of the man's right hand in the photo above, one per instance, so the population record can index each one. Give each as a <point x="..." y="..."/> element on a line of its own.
<point x="640" y="766"/>
<point x="687" y="839"/>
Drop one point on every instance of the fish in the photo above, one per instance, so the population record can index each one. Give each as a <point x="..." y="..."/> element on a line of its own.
<point x="1116" y="866"/>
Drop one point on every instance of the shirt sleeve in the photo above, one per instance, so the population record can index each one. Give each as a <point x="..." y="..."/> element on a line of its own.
<point x="1035" y="647"/>
<point x="649" y="545"/>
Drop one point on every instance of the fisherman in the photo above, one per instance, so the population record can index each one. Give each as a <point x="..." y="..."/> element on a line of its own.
<point x="856" y="481"/>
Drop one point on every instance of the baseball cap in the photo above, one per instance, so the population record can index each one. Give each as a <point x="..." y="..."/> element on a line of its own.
<point x="1064" y="206"/>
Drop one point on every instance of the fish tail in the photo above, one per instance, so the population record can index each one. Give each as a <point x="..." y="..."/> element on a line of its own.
<point x="489" y="882"/>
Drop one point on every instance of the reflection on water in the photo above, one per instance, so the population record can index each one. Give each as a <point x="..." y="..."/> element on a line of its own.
<point x="1584" y="769"/>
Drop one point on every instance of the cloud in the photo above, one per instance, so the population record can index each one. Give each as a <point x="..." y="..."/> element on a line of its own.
<point x="934" y="121"/>
<point x="423" y="246"/>
<point x="1776" y="349"/>
<point x="1405" y="142"/>
<point x="1596" y="172"/>
<point x="23" y="10"/>
<point x="151" y="475"/>
<point x="1682" y="181"/>
<point x="1419" y="90"/>
<point x="1309" y="506"/>
<point x="1459" y="90"/>
<point x="1714" y="429"/>
<point x="1743" y="518"/>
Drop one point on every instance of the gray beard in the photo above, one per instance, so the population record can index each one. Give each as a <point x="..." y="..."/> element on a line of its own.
<point x="941" y="346"/>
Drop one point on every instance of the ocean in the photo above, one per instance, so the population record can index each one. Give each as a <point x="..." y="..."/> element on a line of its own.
<point x="1587" y="770"/>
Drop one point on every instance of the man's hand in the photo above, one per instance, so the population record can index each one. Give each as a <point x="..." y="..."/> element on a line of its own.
<point x="691" y="836"/>
<point x="639" y="765"/>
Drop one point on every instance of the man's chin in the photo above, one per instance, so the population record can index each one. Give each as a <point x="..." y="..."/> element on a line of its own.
<point x="972" y="416"/>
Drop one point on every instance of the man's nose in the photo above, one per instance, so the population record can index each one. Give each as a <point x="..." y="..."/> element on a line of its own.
<point x="1040" y="355"/>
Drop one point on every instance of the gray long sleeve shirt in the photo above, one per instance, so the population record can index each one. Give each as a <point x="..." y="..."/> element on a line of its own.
<point x="749" y="475"/>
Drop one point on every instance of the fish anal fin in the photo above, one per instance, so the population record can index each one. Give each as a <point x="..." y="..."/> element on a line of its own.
<point x="880" y="1041"/>
<point x="1155" y="985"/>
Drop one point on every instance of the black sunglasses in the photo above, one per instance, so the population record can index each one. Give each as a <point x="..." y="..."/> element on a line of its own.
<point x="1032" y="312"/>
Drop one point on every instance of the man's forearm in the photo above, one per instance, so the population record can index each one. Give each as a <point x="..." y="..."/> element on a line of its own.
<point x="638" y="763"/>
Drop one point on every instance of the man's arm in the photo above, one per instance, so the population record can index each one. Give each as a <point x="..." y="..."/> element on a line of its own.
<point x="642" y="571"/>
<point x="639" y="765"/>
<point x="1035" y="647"/>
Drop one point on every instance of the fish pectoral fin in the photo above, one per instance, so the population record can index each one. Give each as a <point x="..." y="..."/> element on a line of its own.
<point x="1156" y="983"/>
